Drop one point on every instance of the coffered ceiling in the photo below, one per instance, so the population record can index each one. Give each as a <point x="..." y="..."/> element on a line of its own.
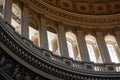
<point x="100" y="7"/>
<point x="97" y="13"/>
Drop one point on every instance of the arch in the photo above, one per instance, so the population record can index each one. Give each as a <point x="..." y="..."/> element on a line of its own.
<point x="33" y="30"/>
<point x="72" y="46"/>
<point x="34" y="21"/>
<point x="93" y="50"/>
<point x="16" y="18"/>
<point x="52" y="28"/>
<point x="53" y="40"/>
<point x="112" y="48"/>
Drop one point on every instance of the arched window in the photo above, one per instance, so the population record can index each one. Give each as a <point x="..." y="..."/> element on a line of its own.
<point x="91" y="53"/>
<point x="72" y="46"/>
<point x="1" y="7"/>
<point x="93" y="49"/>
<point x="53" y="41"/>
<point x="16" y="18"/>
<point x="112" y="48"/>
<point x="33" y="30"/>
<point x="34" y="36"/>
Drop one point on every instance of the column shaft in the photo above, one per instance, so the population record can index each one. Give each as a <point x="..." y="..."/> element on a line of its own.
<point x="25" y="23"/>
<point x="62" y="41"/>
<point x="118" y="38"/>
<point x="7" y="10"/>
<point x="82" y="46"/>
<point x="102" y="47"/>
<point x="43" y="34"/>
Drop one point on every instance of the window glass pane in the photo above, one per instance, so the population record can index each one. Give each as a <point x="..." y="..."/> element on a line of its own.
<point x="34" y="36"/>
<point x="53" y="41"/>
<point x="72" y="46"/>
<point x="70" y="49"/>
<point x="50" y="37"/>
<point x="91" y="53"/>
<point x="16" y="18"/>
<point x="112" y="53"/>
<point x="93" y="49"/>
<point x="112" y="46"/>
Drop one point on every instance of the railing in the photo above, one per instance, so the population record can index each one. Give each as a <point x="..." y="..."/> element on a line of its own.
<point x="78" y="64"/>
<point x="99" y="67"/>
<point x="117" y="66"/>
<point x="55" y="65"/>
<point x="56" y="58"/>
<point x="83" y="65"/>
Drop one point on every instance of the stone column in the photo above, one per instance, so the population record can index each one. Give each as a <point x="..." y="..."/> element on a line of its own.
<point x="25" y="23"/>
<point x="82" y="46"/>
<point x="7" y="10"/>
<point x="117" y="32"/>
<point x="62" y="41"/>
<point x="117" y="36"/>
<point x="43" y="33"/>
<point x="102" y="47"/>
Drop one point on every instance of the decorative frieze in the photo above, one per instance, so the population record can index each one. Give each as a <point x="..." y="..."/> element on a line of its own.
<point x="68" y="16"/>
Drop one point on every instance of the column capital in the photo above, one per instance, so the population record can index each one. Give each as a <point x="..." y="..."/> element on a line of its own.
<point x="116" y="29"/>
<point x="24" y="6"/>
<point x="79" y="28"/>
<point x="59" y="23"/>
<point x="42" y="16"/>
<point x="98" y="30"/>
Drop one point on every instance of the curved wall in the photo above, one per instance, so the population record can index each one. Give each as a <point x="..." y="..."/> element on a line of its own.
<point x="24" y="52"/>
<point x="35" y="53"/>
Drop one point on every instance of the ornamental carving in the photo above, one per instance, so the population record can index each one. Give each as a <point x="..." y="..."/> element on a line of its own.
<point x="81" y="14"/>
<point x="70" y="5"/>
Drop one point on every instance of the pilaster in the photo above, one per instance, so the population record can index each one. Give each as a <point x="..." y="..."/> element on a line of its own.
<point x="82" y="46"/>
<point x="25" y="23"/>
<point x="117" y="33"/>
<point x="102" y="47"/>
<point x="7" y="10"/>
<point x="62" y="41"/>
<point x="43" y="33"/>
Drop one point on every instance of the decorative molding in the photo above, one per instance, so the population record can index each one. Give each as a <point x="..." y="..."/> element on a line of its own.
<point x="70" y="18"/>
<point x="91" y="7"/>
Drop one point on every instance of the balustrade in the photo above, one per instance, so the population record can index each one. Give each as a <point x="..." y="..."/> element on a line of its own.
<point x="117" y="66"/>
<point x="99" y="67"/>
<point x="56" y="58"/>
<point x="77" y="64"/>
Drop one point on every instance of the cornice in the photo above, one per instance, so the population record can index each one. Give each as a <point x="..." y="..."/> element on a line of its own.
<point x="91" y="7"/>
<point x="89" y="1"/>
<point x="69" y="18"/>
